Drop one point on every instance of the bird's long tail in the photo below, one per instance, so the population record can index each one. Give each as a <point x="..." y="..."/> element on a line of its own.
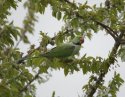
<point x="25" y="58"/>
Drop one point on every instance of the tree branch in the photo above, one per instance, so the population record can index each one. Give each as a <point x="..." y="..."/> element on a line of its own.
<point x="72" y="4"/>
<point x="26" y="56"/>
<point x="29" y="83"/>
<point x="108" y="62"/>
<point x="109" y="29"/>
<point x="122" y="41"/>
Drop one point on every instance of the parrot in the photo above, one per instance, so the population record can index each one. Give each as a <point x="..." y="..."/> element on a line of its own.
<point x="65" y="49"/>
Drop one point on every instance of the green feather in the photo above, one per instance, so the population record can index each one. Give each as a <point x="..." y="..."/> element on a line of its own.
<point x="61" y="51"/>
<point x="65" y="50"/>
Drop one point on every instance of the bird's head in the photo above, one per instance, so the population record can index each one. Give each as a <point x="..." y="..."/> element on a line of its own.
<point x="78" y="40"/>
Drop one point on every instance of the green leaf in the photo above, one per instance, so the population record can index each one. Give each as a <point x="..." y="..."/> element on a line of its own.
<point x="74" y="22"/>
<point x="53" y="94"/>
<point x="25" y="39"/>
<point x="121" y="53"/>
<point x="54" y="13"/>
<point x="66" y="71"/>
<point x="59" y="15"/>
<point x="115" y="84"/>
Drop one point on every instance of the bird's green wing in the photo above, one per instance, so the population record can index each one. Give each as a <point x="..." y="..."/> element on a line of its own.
<point x="61" y="51"/>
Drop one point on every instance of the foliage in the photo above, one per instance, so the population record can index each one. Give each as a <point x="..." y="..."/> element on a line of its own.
<point x="17" y="74"/>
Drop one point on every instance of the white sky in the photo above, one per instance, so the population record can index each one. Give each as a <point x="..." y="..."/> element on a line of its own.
<point x="71" y="85"/>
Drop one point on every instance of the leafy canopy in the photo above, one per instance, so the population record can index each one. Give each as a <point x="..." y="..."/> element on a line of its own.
<point x="16" y="78"/>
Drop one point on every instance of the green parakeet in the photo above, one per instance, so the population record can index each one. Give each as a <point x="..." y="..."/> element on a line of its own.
<point x="61" y="51"/>
<point x="65" y="49"/>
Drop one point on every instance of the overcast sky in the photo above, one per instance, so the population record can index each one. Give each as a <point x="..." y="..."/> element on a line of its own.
<point x="71" y="85"/>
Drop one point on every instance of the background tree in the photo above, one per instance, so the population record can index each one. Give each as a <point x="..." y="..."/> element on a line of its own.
<point x="16" y="77"/>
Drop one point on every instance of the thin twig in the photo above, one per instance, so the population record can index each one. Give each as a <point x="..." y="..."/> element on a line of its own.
<point x="26" y="56"/>
<point x="29" y="83"/>
<point x="109" y="30"/>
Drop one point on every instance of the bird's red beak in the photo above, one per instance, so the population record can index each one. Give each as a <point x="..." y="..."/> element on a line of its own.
<point x="81" y="40"/>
